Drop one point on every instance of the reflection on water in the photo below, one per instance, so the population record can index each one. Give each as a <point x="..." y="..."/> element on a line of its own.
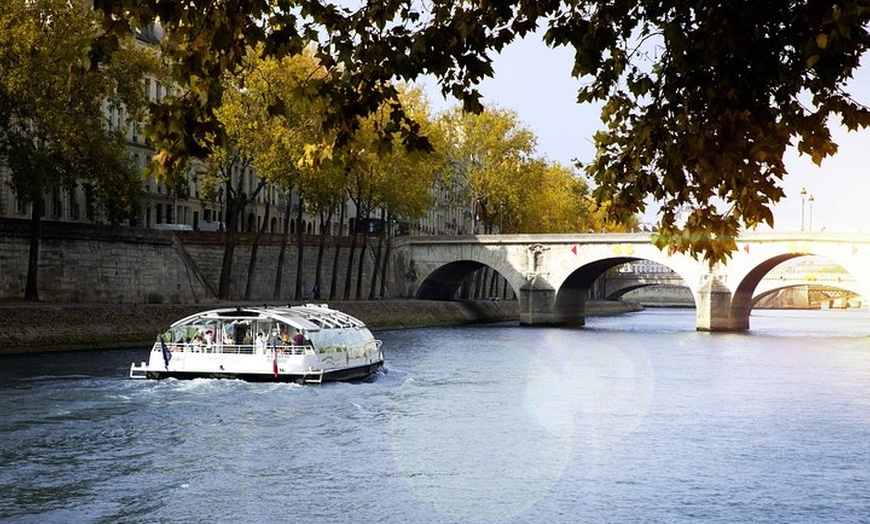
<point x="635" y="418"/>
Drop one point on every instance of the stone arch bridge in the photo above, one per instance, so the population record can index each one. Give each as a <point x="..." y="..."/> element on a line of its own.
<point x="552" y="274"/>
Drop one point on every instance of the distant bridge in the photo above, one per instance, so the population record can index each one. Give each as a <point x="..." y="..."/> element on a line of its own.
<point x="551" y="275"/>
<point x="616" y="284"/>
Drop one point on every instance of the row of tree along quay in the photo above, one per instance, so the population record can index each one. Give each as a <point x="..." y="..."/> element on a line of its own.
<point x="272" y="115"/>
<point x="698" y="108"/>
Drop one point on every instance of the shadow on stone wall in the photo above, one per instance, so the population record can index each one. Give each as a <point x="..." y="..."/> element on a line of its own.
<point x="34" y="328"/>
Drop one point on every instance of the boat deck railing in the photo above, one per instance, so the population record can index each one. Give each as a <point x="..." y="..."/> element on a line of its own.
<point x="234" y="349"/>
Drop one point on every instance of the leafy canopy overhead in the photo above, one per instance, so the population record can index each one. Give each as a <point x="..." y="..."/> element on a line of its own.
<point x="701" y="98"/>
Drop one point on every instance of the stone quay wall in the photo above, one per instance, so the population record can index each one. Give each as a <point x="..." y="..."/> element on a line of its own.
<point x="42" y="327"/>
<point x="82" y="263"/>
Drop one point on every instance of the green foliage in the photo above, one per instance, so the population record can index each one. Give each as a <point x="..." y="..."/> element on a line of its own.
<point x="493" y="155"/>
<point x="701" y="105"/>
<point x="53" y="130"/>
<point x="701" y="99"/>
<point x="380" y="171"/>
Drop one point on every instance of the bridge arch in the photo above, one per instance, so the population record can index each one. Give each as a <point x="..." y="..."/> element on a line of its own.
<point x="749" y="290"/>
<point x="743" y="299"/>
<point x="832" y="292"/>
<point x="445" y="282"/>
<point x="577" y="286"/>
<point x="620" y="293"/>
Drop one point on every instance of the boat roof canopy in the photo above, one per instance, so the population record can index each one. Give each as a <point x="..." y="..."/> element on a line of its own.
<point x="309" y="317"/>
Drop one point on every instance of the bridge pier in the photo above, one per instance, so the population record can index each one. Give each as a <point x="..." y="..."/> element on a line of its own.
<point x="538" y="305"/>
<point x="714" y="307"/>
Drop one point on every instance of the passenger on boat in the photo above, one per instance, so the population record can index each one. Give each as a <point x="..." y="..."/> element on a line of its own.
<point x="209" y="339"/>
<point x="298" y="339"/>
<point x="197" y="344"/>
<point x="261" y="343"/>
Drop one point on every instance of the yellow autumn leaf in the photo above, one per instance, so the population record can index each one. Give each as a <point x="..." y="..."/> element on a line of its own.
<point x="822" y="41"/>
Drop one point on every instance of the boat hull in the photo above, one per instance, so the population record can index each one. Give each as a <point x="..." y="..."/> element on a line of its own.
<point x="355" y="374"/>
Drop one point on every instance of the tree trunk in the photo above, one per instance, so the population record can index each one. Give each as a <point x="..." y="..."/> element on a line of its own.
<point x="227" y="262"/>
<point x="349" y="273"/>
<point x="232" y="220"/>
<point x="493" y="284"/>
<point x="386" y="258"/>
<point x="236" y="203"/>
<point x="479" y="282"/>
<point x="376" y="266"/>
<point x="361" y="264"/>
<point x="300" y="251"/>
<point x="252" y="266"/>
<point x="31" y="290"/>
<point x="279" y="270"/>
<point x="333" y="283"/>
<point x="326" y="222"/>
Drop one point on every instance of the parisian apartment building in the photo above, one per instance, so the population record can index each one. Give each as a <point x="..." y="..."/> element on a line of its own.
<point x="165" y="209"/>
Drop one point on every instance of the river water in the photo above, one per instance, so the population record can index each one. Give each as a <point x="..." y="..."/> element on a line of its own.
<point x="634" y="418"/>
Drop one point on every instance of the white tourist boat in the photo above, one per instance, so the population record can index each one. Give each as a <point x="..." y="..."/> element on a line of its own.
<point x="306" y="344"/>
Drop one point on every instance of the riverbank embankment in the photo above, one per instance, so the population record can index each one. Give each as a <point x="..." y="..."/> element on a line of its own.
<point x="42" y="327"/>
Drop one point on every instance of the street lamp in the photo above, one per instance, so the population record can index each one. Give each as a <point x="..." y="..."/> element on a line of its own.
<point x="501" y="207"/>
<point x="810" y="214"/>
<point x="473" y="215"/>
<point x="803" y="203"/>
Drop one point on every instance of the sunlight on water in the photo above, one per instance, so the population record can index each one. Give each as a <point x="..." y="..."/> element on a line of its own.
<point x="604" y="388"/>
<point x="453" y="434"/>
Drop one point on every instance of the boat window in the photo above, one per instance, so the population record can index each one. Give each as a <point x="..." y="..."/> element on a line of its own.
<point x="270" y="329"/>
<point x="243" y="334"/>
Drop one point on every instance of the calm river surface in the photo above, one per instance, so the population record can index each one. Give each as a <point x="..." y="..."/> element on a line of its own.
<point x="635" y="418"/>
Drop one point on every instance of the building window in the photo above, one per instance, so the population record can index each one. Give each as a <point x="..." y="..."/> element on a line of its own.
<point x="20" y="206"/>
<point x="111" y="111"/>
<point x="90" y="203"/>
<point x="74" y="211"/>
<point x="56" y="204"/>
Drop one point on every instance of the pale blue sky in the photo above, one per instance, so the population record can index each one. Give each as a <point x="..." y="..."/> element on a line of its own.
<point x="535" y="81"/>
